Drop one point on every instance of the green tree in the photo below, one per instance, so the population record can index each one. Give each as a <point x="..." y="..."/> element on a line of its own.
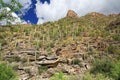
<point x="14" y="6"/>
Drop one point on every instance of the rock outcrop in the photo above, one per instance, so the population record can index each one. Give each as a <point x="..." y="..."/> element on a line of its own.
<point x="95" y="14"/>
<point x="72" y="14"/>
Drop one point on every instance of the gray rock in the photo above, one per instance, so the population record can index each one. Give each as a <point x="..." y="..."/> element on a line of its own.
<point x="48" y="63"/>
<point x="51" y="57"/>
<point x="24" y="77"/>
<point x="41" y="57"/>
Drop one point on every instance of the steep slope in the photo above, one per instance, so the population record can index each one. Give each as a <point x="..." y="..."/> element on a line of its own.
<point x="70" y="45"/>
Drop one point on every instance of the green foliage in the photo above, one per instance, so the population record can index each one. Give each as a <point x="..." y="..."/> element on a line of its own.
<point x="14" y="5"/>
<point x="103" y="66"/>
<point x="113" y="50"/>
<point x="0" y="55"/>
<point x="38" y="44"/>
<point x="3" y="42"/>
<point x="116" y="71"/>
<point x="107" y="67"/>
<point x="2" y="39"/>
<point x="116" y="37"/>
<point x="88" y="76"/>
<point x="85" y="56"/>
<point x="58" y="76"/>
<point x="2" y="3"/>
<point x="76" y="61"/>
<point x="49" y="51"/>
<point x="74" y="77"/>
<point x="14" y="29"/>
<point x="6" y="72"/>
<point x="98" y="76"/>
<point x="52" y="35"/>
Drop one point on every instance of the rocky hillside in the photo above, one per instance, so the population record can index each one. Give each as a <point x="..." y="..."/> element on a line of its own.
<point x="73" y="48"/>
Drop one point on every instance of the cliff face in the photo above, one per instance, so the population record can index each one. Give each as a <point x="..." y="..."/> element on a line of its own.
<point x="70" y="45"/>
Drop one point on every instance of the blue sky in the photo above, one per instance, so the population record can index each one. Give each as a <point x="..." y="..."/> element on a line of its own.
<point x="41" y="11"/>
<point x="30" y="15"/>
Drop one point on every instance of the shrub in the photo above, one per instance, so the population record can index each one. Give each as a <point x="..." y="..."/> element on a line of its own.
<point x="85" y="56"/>
<point x="107" y="67"/>
<point x="113" y="50"/>
<point x="115" y="72"/>
<point x="116" y="38"/>
<point x="76" y="61"/>
<point x="6" y="72"/>
<point x="103" y="66"/>
<point x="89" y="76"/>
<point x="74" y="77"/>
<point x="58" y="76"/>
<point x="3" y="42"/>
<point x="1" y="56"/>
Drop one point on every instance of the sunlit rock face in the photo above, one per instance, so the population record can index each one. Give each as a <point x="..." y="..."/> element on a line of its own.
<point x="15" y="20"/>
<point x="72" y="14"/>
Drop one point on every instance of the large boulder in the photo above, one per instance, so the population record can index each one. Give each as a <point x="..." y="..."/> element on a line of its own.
<point x="72" y="14"/>
<point x="48" y="63"/>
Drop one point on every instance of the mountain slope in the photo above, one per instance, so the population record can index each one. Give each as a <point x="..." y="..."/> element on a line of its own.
<point x="70" y="45"/>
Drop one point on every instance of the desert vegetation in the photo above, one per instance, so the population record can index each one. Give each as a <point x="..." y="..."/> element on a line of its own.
<point x="85" y="48"/>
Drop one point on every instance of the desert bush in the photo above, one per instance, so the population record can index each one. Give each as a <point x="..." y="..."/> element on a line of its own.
<point x="116" y="37"/>
<point x="103" y="66"/>
<point x="58" y="76"/>
<point x="6" y="72"/>
<point x="98" y="76"/>
<point x="3" y="42"/>
<point x="107" y="67"/>
<point x="115" y="71"/>
<point x="1" y="55"/>
<point x="113" y="49"/>
<point x="74" y="77"/>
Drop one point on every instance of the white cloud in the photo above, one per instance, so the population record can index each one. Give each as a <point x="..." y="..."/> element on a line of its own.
<point x="58" y="8"/>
